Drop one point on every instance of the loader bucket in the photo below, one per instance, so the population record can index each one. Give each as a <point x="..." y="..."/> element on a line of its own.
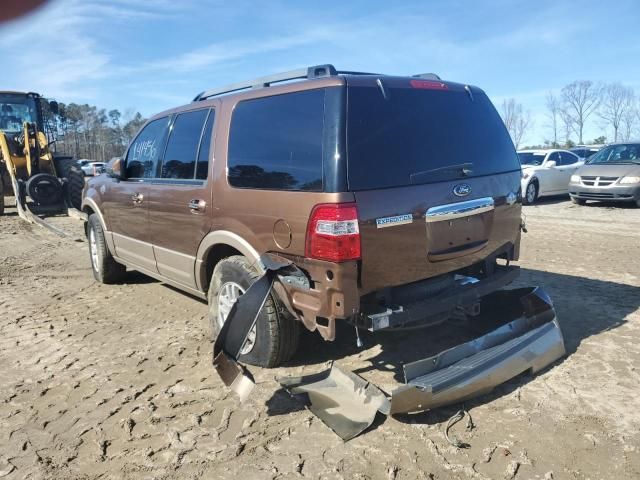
<point x="526" y="337"/>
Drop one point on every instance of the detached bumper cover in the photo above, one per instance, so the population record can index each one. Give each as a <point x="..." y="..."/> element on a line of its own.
<point x="530" y="341"/>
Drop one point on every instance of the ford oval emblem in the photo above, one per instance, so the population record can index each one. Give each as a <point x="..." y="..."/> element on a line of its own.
<point x="462" y="190"/>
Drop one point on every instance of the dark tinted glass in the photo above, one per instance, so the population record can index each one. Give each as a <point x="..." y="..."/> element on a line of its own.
<point x="202" y="168"/>
<point x="530" y="158"/>
<point x="554" y="157"/>
<point x="567" y="159"/>
<point x="146" y="149"/>
<point x="276" y="142"/>
<point x="417" y="130"/>
<point x="182" y="147"/>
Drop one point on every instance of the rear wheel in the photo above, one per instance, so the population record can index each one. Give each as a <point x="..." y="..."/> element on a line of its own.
<point x="578" y="201"/>
<point x="105" y="268"/>
<point x="531" y="193"/>
<point x="275" y="337"/>
<point x="67" y="167"/>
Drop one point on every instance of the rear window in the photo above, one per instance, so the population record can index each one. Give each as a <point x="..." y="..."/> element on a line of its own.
<point x="396" y="134"/>
<point x="276" y="142"/>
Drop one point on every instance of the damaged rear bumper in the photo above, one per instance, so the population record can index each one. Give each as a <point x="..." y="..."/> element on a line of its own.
<point x="528" y="343"/>
<point x="524" y="336"/>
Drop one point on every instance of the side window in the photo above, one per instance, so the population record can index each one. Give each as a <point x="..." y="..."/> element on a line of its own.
<point x="555" y="157"/>
<point x="182" y="148"/>
<point x="567" y="159"/>
<point x="202" y="168"/>
<point x="276" y="142"/>
<point x="146" y="149"/>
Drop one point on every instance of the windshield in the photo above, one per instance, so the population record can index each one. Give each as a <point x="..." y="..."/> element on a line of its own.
<point x="530" y="158"/>
<point x="624" y="153"/>
<point x="15" y="110"/>
<point x="406" y="135"/>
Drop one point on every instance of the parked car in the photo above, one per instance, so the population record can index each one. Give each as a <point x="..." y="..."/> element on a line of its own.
<point x="586" y="151"/>
<point x="379" y="203"/>
<point x="612" y="174"/>
<point x="546" y="172"/>
<point x="90" y="167"/>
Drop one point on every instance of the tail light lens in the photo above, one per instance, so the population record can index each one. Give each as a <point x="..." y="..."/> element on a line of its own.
<point x="333" y="233"/>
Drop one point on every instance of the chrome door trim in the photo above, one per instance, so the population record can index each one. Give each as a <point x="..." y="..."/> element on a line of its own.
<point x="451" y="211"/>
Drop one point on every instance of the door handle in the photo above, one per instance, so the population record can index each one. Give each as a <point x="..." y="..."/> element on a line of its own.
<point x="197" y="205"/>
<point x="137" y="198"/>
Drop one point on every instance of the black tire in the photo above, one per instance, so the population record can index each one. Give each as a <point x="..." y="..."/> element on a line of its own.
<point x="67" y="167"/>
<point x="277" y="332"/>
<point x="578" y="201"/>
<point x="528" y="199"/>
<point x="1" y="192"/>
<point x="638" y="203"/>
<point x="105" y="268"/>
<point x="44" y="189"/>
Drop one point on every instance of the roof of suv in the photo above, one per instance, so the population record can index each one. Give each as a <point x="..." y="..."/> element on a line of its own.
<point x="317" y="76"/>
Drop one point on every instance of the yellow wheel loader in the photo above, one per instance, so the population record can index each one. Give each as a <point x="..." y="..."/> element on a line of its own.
<point x="41" y="181"/>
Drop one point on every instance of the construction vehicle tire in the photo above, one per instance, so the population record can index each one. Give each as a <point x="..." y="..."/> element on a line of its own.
<point x="75" y="185"/>
<point x="67" y="167"/>
<point x="45" y="189"/>
<point x="1" y="193"/>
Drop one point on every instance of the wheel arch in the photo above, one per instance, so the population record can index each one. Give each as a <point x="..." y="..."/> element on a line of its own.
<point x="216" y="246"/>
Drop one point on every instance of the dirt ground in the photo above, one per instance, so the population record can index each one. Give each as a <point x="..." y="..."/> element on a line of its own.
<point x="116" y="381"/>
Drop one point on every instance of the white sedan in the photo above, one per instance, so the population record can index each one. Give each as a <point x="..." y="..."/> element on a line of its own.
<point x="546" y="172"/>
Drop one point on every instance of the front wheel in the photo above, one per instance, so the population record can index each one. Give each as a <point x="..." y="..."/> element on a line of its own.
<point x="105" y="268"/>
<point x="275" y="336"/>
<point x="531" y="193"/>
<point x="578" y="201"/>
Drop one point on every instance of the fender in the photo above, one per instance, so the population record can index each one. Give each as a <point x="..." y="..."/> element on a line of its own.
<point x="91" y="203"/>
<point x="222" y="237"/>
<point x="87" y="201"/>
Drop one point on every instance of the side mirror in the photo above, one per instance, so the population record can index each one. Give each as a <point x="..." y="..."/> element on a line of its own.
<point x="115" y="168"/>
<point x="550" y="164"/>
<point x="53" y="106"/>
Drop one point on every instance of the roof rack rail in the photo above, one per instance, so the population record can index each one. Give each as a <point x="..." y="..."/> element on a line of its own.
<point x="428" y="76"/>
<point x="316" y="71"/>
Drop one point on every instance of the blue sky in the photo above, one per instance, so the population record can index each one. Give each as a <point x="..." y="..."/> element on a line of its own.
<point x="150" y="55"/>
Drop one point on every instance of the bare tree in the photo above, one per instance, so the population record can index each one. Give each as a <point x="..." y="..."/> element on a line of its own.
<point x="580" y="99"/>
<point x="567" y="123"/>
<point x="516" y="120"/>
<point x="629" y="120"/>
<point x="616" y="101"/>
<point x="553" y="114"/>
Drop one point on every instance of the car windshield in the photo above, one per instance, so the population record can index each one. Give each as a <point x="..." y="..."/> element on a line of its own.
<point x="531" y="158"/>
<point x="623" y="153"/>
<point x="15" y="110"/>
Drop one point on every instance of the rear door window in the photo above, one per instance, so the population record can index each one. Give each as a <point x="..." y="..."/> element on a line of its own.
<point x="202" y="167"/>
<point x="276" y="142"/>
<point x="182" y="148"/>
<point x="144" y="153"/>
<point x="403" y="134"/>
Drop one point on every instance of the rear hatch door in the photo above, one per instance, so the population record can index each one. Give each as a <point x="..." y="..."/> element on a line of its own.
<point x="435" y="176"/>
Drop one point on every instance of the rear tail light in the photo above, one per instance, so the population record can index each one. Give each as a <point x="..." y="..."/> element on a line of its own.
<point x="333" y="232"/>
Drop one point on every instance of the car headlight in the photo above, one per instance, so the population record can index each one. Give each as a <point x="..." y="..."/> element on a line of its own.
<point x="575" y="178"/>
<point x="628" y="180"/>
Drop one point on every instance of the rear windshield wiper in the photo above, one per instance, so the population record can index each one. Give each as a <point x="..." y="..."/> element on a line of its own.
<point x="460" y="169"/>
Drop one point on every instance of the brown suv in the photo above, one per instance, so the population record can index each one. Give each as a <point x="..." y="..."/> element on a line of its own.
<point x="395" y="196"/>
